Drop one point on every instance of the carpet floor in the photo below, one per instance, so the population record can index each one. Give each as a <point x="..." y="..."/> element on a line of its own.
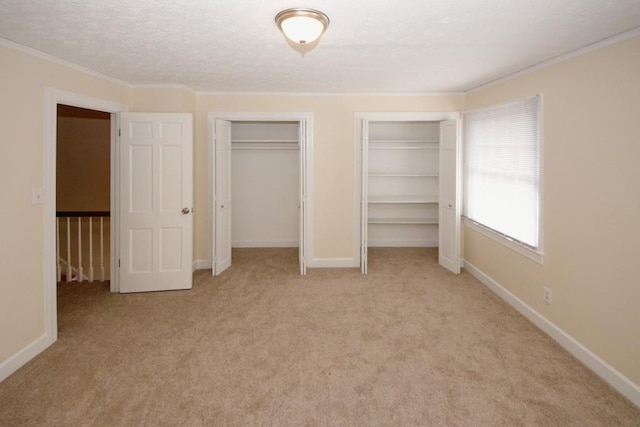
<point x="408" y="344"/>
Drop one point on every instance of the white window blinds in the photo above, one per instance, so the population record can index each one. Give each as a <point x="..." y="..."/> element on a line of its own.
<point x="502" y="169"/>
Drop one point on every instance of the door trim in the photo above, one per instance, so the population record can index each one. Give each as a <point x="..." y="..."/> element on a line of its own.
<point x="52" y="98"/>
<point x="261" y="117"/>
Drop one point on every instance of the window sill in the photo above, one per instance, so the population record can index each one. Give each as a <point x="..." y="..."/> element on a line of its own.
<point x="534" y="255"/>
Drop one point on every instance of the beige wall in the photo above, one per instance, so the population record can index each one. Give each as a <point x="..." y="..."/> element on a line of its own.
<point x="83" y="164"/>
<point x="23" y="79"/>
<point x="163" y="100"/>
<point x="591" y="203"/>
<point x="333" y="155"/>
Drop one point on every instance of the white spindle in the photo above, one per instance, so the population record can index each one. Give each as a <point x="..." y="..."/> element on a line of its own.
<point x="80" y="272"/>
<point x="69" y="273"/>
<point x="101" y="249"/>
<point x="66" y="265"/>
<point x="90" y="249"/>
<point x="58" y="266"/>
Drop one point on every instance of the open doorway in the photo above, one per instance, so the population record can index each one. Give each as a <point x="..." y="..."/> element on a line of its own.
<point x="83" y="195"/>
<point x="409" y="184"/>
<point x="53" y="98"/>
<point x="259" y="171"/>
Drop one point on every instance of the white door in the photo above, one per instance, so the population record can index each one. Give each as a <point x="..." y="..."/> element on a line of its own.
<point x="156" y="199"/>
<point x="222" y="197"/>
<point x="364" y="200"/>
<point x="449" y="204"/>
<point x="302" y="141"/>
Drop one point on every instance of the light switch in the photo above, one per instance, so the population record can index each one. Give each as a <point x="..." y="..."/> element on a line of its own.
<point x="36" y="196"/>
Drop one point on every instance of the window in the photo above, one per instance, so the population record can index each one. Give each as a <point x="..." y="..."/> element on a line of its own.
<point x="502" y="170"/>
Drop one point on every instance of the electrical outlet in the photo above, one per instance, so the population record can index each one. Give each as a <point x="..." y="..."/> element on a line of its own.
<point x="36" y="196"/>
<point x="546" y="295"/>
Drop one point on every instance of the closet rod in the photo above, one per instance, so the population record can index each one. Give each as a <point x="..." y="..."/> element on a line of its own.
<point x="265" y="148"/>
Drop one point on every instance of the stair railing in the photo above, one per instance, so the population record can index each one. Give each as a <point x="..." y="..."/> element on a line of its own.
<point x="75" y="244"/>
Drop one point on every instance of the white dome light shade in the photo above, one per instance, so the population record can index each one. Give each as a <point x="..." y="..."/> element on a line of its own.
<point x="302" y="29"/>
<point x="302" y="26"/>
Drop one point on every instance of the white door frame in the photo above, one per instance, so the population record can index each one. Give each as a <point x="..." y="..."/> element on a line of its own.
<point x="53" y="97"/>
<point x="260" y="117"/>
<point x="357" y="156"/>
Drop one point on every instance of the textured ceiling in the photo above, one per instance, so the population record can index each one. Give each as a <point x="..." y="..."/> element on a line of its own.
<point x="371" y="46"/>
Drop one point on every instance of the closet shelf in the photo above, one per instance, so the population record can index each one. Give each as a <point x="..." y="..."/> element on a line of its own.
<point x="264" y="141"/>
<point x="404" y="141"/>
<point x="403" y="199"/>
<point x="403" y="175"/>
<point x="408" y="221"/>
<point x="401" y="147"/>
<point x="264" y="145"/>
<point x="265" y="148"/>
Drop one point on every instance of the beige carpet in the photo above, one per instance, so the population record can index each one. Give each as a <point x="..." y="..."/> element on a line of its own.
<point x="409" y="344"/>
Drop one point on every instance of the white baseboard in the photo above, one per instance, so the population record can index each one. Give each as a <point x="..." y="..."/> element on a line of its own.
<point x="332" y="263"/>
<point x="202" y="264"/>
<point x="615" y="379"/>
<point x="16" y="361"/>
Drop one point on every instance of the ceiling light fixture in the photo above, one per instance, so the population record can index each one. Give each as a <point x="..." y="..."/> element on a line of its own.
<point x="302" y="26"/>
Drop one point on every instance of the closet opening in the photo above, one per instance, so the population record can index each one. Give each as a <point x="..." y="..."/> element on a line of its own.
<point x="260" y="187"/>
<point x="409" y="183"/>
<point x="265" y="180"/>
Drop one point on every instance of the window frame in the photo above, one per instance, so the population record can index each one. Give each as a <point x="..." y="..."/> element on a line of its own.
<point x="535" y="254"/>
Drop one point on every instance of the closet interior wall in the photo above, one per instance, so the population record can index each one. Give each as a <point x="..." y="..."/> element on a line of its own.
<point x="265" y="184"/>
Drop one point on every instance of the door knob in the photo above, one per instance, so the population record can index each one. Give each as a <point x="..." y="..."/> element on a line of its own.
<point x="186" y="210"/>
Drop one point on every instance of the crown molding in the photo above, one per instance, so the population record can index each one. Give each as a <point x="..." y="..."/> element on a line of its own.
<point x="50" y="58"/>
<point x="328" y="94"/>
<point x="618" y="38"/>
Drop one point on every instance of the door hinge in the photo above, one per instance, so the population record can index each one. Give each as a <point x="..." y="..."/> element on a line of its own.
<point x="119" y="132"/>
<point x="118" y="263"/>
